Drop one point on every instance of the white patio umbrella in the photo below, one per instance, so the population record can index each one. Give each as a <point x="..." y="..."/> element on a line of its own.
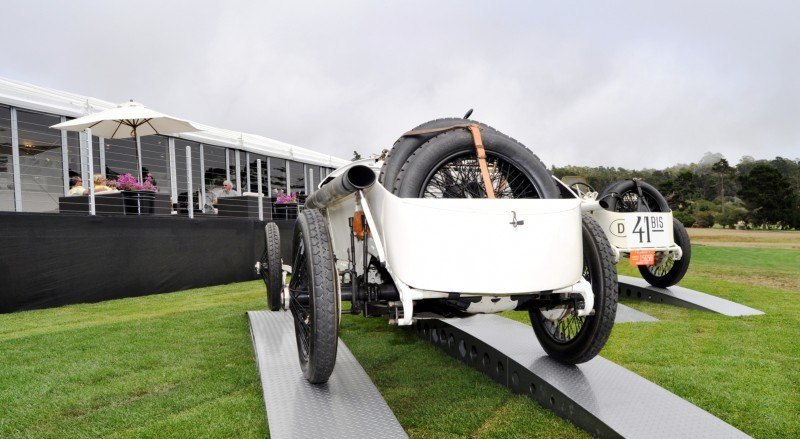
<point x="130" y="119"/>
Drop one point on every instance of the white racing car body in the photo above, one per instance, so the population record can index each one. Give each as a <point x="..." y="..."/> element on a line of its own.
<point x="434" y="248"/>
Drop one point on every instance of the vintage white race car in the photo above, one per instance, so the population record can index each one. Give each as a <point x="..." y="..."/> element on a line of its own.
<point x="638" y="222"/>
<point x="457" y="219"/>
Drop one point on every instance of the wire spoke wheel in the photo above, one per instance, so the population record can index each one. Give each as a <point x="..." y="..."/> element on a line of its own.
<point x="313" y="300"/>
<point x="663" y="265"/>
<point x="563" y="334"/>
<point x="668" y="271"/>
<point x="563" y="323"/>
<point x="301" y="313"/>
<point x="460" y="177"/>
<point x="629" y="202"/>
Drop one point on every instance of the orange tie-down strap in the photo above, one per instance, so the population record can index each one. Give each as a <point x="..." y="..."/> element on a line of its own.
<point x="474" y="129"/>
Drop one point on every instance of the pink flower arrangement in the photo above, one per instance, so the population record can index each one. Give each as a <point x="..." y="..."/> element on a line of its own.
<point x="286" y="199"/>
<point x="127" y="182"/>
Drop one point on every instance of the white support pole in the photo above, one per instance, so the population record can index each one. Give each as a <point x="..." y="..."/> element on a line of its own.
<point x="92" y="206"/>
<point x="260" y="194"/>
<point x="173" y="172"/>
<point x="288" y="178"/>
<point x="202" y="202"/>
<point x="101" y="147"/>
<point x="15" y="163"/>
<point x="190" y="198"/>
<point x="237" y="156"/>
<point x="64" y="158"/>
<point x="139" y="157"/>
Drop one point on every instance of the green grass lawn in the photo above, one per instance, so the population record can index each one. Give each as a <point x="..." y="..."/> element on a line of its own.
<point x="181" y="364"/>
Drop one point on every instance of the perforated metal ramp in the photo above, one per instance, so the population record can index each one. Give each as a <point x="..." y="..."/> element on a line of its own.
<point x="599" y="396"/>
<point x="349" y="405"/>
<point x="636" y="288"/>
<point x="626" y="314"/>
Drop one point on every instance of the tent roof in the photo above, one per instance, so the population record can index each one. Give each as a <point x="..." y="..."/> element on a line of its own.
<point x="28" y="96"/>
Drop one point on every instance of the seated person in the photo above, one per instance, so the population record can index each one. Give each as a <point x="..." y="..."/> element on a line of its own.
<point x="227" y="191"/>
<point x="100" y="184"/>
<point x="76" y="187"/>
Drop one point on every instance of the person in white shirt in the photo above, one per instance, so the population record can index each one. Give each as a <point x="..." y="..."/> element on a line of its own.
<point x="76" y="187"/>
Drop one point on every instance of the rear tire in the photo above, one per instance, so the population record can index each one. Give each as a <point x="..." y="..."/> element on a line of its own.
<point x="669" y="271"/>
<point x="573" y="339"/>
<point x="313" y="300"/>
<point x="270" y="268"/>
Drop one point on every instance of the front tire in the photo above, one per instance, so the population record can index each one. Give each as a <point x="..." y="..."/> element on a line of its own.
<point x="270" y="267"/>
<point x="572" y="339"/>
<point x="668" y="271"/>
<point x="312" y="294"/>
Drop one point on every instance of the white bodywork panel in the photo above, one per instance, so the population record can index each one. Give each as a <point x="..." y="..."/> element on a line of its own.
<point x="469" y="245"/>
<point x="488" y="247"/>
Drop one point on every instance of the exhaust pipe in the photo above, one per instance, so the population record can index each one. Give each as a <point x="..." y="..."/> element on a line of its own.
<point x="356" y="178"/>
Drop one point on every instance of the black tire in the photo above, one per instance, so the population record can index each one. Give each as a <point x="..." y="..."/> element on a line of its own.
<point x="313" y="300"/>
<point x="587" y="335"/>
<point x="270" y="268"/>
<point x="447" y="148"/>
<point x="405" y="146"/>
<point x="621" y="196"/>
<point x="669" y="272"/>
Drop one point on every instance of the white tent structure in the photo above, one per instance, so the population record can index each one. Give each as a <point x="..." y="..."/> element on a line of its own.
<point x="35" y="172"/>
<point x="21" y="94"/>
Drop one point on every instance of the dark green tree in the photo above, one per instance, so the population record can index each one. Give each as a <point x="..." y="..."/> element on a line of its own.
<point x="768" y="196"/>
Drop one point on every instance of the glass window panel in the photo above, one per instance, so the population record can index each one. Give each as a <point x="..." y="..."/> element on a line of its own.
<point x="232" y="167"/>
<point x="214" y="161"/>
<point x="278" y="175"/>
<point x="96" y="155"/>
<point x="298" y="178"/>
<point x="73" y="154"/>
<point x="155" y="161"/>
<point x="41" y="164"/>
<point x="120" y="158"/>
<point x="254" y="173"/>
<point x="243" y="171"/>
<point x="6" y="161"/>
<point x="180" y="166"/>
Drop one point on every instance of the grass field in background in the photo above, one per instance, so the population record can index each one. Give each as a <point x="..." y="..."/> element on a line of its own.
<point x="181" y="364"/>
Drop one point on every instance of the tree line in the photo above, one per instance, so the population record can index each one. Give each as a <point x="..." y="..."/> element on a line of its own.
<point x="753" y="193"/>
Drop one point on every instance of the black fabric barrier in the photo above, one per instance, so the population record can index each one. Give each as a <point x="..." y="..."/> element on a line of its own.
<point x="50" y="260"/>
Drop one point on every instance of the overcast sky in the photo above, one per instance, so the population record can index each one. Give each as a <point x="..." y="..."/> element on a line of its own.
<point x="633" y="84"/>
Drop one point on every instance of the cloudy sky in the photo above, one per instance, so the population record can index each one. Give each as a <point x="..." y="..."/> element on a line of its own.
<point x="633" y="84"/>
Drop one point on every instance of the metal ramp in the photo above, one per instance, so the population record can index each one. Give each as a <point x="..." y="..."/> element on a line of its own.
<point x="636" y="288"/>
<point x="626" y="314"/>
<point x="348" y="405"/>
<point x="599" y="396"/>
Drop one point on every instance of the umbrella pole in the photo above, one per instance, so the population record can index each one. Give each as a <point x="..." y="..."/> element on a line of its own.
<point x="138" y="154"/>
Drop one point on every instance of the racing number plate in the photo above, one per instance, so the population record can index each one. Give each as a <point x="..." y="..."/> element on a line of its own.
<point x="647" y="230"/>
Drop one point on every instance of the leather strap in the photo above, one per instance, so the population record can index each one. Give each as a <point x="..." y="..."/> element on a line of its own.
<point x="487" y="181"/>
<point x="474" y="129"/>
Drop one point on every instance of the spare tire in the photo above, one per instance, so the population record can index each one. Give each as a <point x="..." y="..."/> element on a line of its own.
<point x="622" y="196"/>
<point x="446" y="167"/>
<point x="406" y="145"/>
